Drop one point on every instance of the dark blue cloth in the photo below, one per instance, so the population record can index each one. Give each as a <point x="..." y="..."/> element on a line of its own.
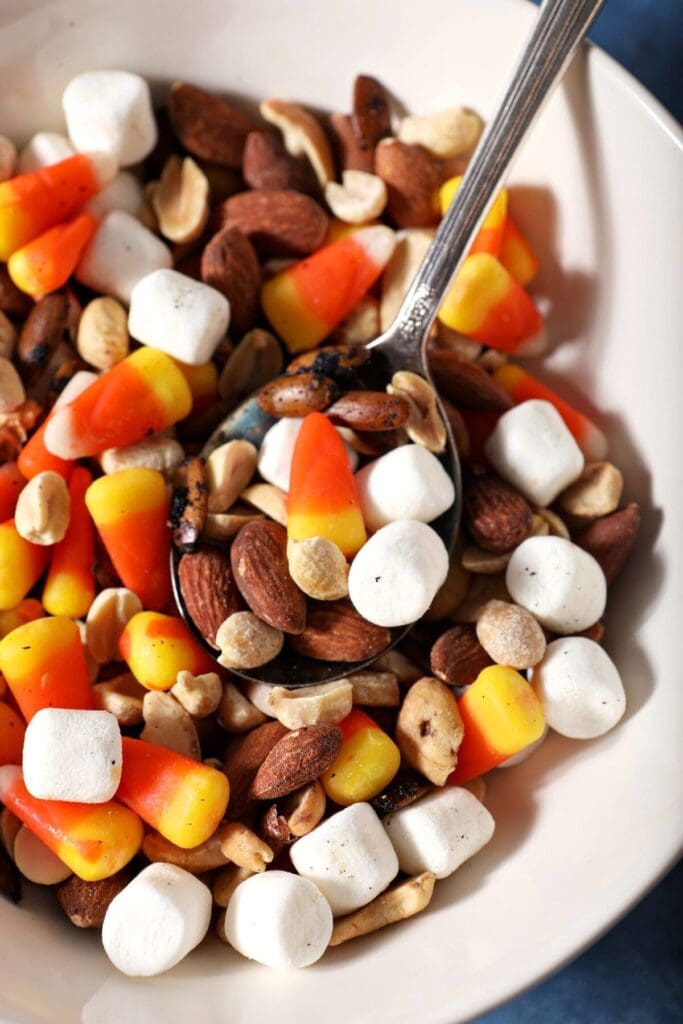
<point x="634" y="975"/>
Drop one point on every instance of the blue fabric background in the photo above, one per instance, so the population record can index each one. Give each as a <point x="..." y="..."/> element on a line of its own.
<point x="634" y="975"/>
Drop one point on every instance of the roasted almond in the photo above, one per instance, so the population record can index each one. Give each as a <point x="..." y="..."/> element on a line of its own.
<point x="495" y="515"/>
<point x="350" y="155"/>
<point x="259" y="564"/>
<point x="371" y="118"/>
<point x="86" y="903"/>
<point x="45" y="327"/>
<point x="278" y="222"/>
<point x="369" y="410"/>
<point x="610" y="539"/>
<point x="254" y="361"/>
<point x="412" y="178"/>
<point x="457" y="657"/>
<point x="300" y="757"/>
<point x="230" y="265"/>
<point x="466" y="383"/>
<point x="336" y="632"/>
<point x="458" y="427"/>
<point x="267" y="164"/>
<point x="189" y="504"/>
<point x="209" y="589"/>
<point x="243" y="759"/>
<point x="207" y="126"/>
<point x="297" y="394"/>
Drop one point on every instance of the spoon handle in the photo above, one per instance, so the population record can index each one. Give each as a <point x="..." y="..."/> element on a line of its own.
<point x="558" y="31"/>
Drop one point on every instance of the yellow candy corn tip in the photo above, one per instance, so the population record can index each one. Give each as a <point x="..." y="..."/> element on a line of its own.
<point x="367" y="761"/>
<point x="480" y="285"/>
<point x="193" y="813"/>
<point x="116" y="495"/>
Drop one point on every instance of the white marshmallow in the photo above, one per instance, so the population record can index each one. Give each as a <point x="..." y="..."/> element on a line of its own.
<point x="111" y="111"/>
<point x="279" y="919"/>
<point x="579" y="687"/>
<point x="531" y="447"/>
<point x="408" y="482"/>
<point x="156" y="920"/>
<point x="36" y="861"/>
<point x="178" y="315"/>
<point x="124" y="192"/>
<point x="395" y="576"/>
<point x="277" y="449"/>
<point x="121" y="253"/>
<point x="439" y="832"/>
<point x="349" y="857"/>
<point x="72" y="755"/>
<point x="44" y="149"/>
<point x="558" y="582"/>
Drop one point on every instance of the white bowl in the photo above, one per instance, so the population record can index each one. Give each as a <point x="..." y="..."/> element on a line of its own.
<point x="583" y="829"/>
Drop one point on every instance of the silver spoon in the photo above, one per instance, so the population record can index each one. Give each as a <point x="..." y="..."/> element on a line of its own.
<point x="560" y="27"/>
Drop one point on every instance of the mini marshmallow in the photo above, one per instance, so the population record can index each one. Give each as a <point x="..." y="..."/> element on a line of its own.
<point x="348" y="856"/>
<point x="532" y="448"/>
<point x="72" y="755"/>
<point x="440" y="831"/>
<point x="408" y="482"/>
<point x="42" y="150"/>
<point x="111" y="111"/>
<point x="558" y="582"/>
<point x="579" y="687"/>
<point x="124" y="192"/>
<point x="121" y="253"/>
<point x="277" y="449"/>
<point x="156" y="920"/>
<point x="396" y="574"/>
<point x="181" y="316"/>
<point x="36" y="861"/>
<point x="279" y="919"/>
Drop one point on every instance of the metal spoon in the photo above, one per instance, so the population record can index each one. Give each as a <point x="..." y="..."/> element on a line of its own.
<point x="560" y="27"/>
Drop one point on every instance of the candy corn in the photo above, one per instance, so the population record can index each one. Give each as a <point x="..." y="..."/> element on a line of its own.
<point x="323" y="497"/>
<point x="21" y="564"/>
<point x="521" y="386"/>
<point x="158" y="647"/>
<point x="490" y="236"/>
<point x="34" y="458"/>
<point x="12" y="731"/>
<point x="486" y="303"/>
<point x="26" y="611"/>
<point x="70" y="585"/>
<point x="202" y="381"/>
<point x="46" y="263"/>
<point x="44" y="665"/>
<point x="130" y="510"/>
<point x="32" y="203"/>
<point x="516" y="253"/>
<point x="94" y="840"/>
<point x="502" y="715"/>
<point x="307" y="300"/>
<point x="367" y="761"/>
<point x="12" y="483"/>
<point x="141" y="395"/>
<point x="184" y="800"/>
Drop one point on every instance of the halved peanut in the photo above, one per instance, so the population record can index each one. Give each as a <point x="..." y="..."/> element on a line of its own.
<point x="302" y="136"/>
<point x="224" y="525"/>
<point x="597" y="492"/>
<point x="161" y="453"/>
<point x="398" y="664"/>
<point x="305" y="809"/>
<point x="244" y="848"/>
<point x="229" y="469"/>
<point x="8" y="336"/>
<point x="107" y="617"/>
<point x="181" y="200"/>
<point x="475" y="559"/>
<point x="225" y="883"/>
<point x="122" y="696"/>
<point x="236" y="713"/>
<point x="405" y="900"/>
<point x="319" y="568"/>
<point x="43" y="509"/>
<point x="269" y="499"/>
<point x="424" y="425"/>
<point x="12" y="392"/>
<point x="359" y="326"/>
<point x="102" y="338"/>
<point x="361" y="197"/>
<point x="168" y="725"/>
<point x="256" y="360"/>
<point x="411" y="247"/>
<point x="556" y="526"/>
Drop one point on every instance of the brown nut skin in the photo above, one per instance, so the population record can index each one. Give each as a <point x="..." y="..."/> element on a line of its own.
<point x="348" y="151"/>
<point x="278" y="222"/>
<point x="297" y="394"/>
<point x="267" y="164"/>
<point x="189" y="504"/>
<point x="259" y="565"/>
<point x="230" y="265"/>
<point x="300" y="757"/>
<point x="15" y="303"/>
<point x="457" y="657"/>
<point x="243" y="759"/>
<point x="45" y="327"/>
<point x="371" y="118"/>
<point x="495" y="515"/>
<point x="336" y="632"/>
<point x="369" y="410"/>
<point x="207" y="126"/>
<point x="466" y="383"/>
<point x="86" y="903"/>
<point x="610" y="539"/>
<point x="209" y="590"/>
<point x="412" y="177"/>
<point x="405" y="788"/>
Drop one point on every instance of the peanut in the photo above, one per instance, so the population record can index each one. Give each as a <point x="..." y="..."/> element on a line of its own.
<point x="405" y="900"/>
<point x="244" y="848"/>
<point x="510" y="635"/>
<point x="475" y="559"/>
<point x="122" y="696"/>
<point x="319" y="568"/>
<point x="269" y="499"/>
<point x="161" y="453"/>
<point x="229" y="469"/>
<point x="107" y="617"/>
<point x="12" y="392"/>
<point x="597" y="492"/>
<point x="168" y="725"/>
<point x="359" y="326"/>
<point x="247" y="642"/>
<point x="302" y="136"/>
<point x="43" y="509"/>
<point x="255" y="361"/>
<point x="181" y="200"/>
<point x="225" y="883"/>
<point x="424" y="425"/>
<point x="450" y="133"/>
<point x="236" y="713"/>
<point x="375" y="689"/>
<point x="199" y="695"/>
<point x="102" y="338"/>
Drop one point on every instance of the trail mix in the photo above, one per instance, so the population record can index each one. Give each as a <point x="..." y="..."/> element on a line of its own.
<point x="151" y="788"/>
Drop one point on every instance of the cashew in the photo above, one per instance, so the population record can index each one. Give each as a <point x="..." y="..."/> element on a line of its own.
<point x="12" y="392"/>
<point x="247" y="642"/>
<point x="411" y="246"/>
<point x="359" y="326"/>
<point x="319" y="568"/>
<point x="181" y="200"/>
<point x="302" y="136"/>
<point x="397" y="904"/>
<point x="236" y="713"/>
<point x="229" y="468"/>
<point x="161" y="453"/>
<point x="205" y="857"/>
<point x="199" y="695"/>
<point x="8" y="336"/>
<point x="305" y="809"/>
<point x="474" y="559"/>
<point x="8" y="158"/>
<point x="256" y="360"/>
<point x="107" y="617"/>
<point x="360" y="198"/>
<point x="375" y="689"/>
<point x="327" y="703"/>
<point x="168" y="725"/>
<point x="224" y="525"/>
<point x="429" y="729"/>
<point x="122" y="696"/>
<point x="510" y="635"/>
<point x="226" y="881"/>
<point x="424" y="425"/>
<point x="244" y="848"/>
<point x="452" y="132"/>
<point x="597" y="492"/>
<point x="269" y="499"/>
<point x="102" y="338"/>
<point x="43" y="509"/>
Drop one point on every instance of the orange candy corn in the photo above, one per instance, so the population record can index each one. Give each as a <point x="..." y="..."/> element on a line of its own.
<point x="12" y="731"/>
<point x="490" y="236"/>
<point x="141" y="395"/>
<point x="70" y="585"/>
<point x="202" y="381"/>
<point x="486" y="303"/>
<point x="323" y="498"/>
<point x="34" y="458"/>
<point x="32" y="203"/>
<point x="158" y="647"/>
<point x="44" y="665"/>
<point x="12" y="483"/>
<point x="130" y="510"/>
<point x="521" y="386"/>
<point x="21" y="564"/>
<point x="26" y="611"/>
<point x="184" y="800"/>
<point x="516" y="253"/>
<point x="46" y="263"/>
<point x="367" y="761"/>
<point x="94" y="840"/>
<point x="307" y="300"/>
<point x="502" y="715"/>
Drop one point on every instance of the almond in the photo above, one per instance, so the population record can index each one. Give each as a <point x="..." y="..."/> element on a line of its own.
<point x="300" y="757"/>
<point x="267" y="164"/>
<point x="244" y="758"/>
<point x="85" y="903"/>
<point x="457" y="657"/>
<point x="278" y="222"/>
<point x="189" y="504"/>
<point x="259" y="565"/>
<point x="458" y="427"/>
<point x="350" y="155"/>
<point x="466" y="383"/>
<point x="495" y="515"/>
<point x="254" y="361"/>
<point x="297" y="394"/>
<point x="230" y="265"/>
<point x="208" y="589"/>
<point x="610" y="539"/>
<point x="371" y="118"/>
<point x="336" y="632"/>
<point x="44" y="329"/>
<point x="369" y="410"/>
<point x="208" y="126"/>
<point x="412" y="178"/>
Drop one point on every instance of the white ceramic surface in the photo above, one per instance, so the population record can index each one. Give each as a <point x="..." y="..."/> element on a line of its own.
<point x="583" y="829"/>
